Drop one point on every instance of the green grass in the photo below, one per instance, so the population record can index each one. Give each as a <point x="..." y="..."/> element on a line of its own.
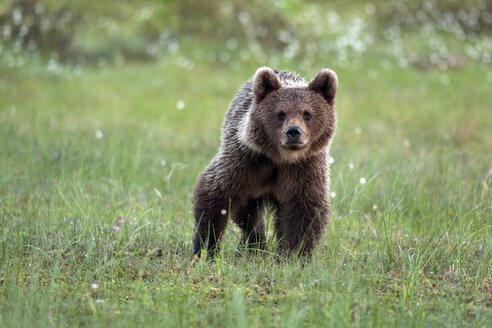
<point x="410" y="247"/>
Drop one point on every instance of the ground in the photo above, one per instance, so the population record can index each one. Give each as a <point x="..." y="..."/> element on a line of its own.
<point x="97" y="168"/>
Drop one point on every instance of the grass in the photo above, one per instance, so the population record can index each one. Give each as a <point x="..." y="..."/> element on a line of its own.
<point x="97" y="231"/>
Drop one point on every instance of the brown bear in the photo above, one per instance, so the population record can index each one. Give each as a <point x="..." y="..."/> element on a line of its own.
<point x="274" y="151"/>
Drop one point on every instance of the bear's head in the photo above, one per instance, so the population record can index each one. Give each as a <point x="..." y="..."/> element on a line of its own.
<point x="291" y="122"/>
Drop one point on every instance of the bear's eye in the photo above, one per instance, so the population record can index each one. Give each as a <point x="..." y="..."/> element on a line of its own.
<point x="281" y="116"/>
<point x="306" y="116"/>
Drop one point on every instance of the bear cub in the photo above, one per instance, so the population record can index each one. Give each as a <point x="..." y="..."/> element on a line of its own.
<point x="274" y="152"/>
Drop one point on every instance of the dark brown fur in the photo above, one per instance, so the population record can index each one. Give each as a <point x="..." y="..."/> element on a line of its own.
<point x="258" y="164"/>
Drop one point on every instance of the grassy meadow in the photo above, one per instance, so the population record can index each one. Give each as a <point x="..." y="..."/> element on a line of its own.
<point x="97" y="166"/>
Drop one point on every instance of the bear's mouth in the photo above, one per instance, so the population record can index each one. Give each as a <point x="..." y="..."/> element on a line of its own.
<point x="294" y="145"/>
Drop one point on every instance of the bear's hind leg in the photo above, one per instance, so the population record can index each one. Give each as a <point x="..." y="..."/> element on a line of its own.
<point x="249" y="217"/>
<point x="210" y="225"/>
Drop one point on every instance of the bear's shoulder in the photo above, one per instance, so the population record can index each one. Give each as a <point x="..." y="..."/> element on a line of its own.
<point x="291" y="79"/>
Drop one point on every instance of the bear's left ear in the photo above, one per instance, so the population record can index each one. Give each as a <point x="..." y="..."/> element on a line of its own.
<point x="264" y="82"/>
<point x="326" y="84"/>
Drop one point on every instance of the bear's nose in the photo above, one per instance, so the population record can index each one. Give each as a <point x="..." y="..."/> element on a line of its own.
<point x="293" y="133"/>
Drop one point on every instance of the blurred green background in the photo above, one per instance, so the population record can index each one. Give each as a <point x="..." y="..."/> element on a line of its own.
<point x="424" y="35"/>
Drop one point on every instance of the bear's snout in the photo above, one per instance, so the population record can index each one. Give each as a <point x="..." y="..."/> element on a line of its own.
<point x="293" y="133"/>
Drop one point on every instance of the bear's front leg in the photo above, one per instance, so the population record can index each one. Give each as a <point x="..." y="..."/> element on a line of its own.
<point x="210" y="220"/>
<point x="300" y="224"/>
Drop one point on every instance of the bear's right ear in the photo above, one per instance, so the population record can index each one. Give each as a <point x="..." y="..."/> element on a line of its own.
<point x="264" y="82"/>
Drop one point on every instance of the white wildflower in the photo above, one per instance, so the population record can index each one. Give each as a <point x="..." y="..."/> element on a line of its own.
<point x="180" y="105"/>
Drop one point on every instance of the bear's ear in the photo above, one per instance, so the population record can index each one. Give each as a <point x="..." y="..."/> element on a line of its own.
<point x="326" y="84"/>
<point x="264" y="82"/>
